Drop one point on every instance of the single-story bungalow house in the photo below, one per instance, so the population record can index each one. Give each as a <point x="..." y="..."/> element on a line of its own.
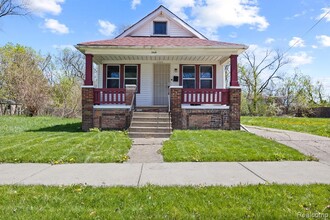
<point x="161" y="64"/>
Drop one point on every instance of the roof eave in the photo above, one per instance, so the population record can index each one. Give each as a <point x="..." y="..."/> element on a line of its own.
<point x="81" y="47"/>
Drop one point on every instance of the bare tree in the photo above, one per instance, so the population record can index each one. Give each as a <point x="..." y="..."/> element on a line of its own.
<point x="299" y="94"/>
<point x="66" y="79"/>
<point x="10" y="7"/>
<point x="257" y="73"/>
<point x="71" y="63"/>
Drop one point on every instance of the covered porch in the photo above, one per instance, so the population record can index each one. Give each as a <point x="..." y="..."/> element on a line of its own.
<point x="159" y="74"/>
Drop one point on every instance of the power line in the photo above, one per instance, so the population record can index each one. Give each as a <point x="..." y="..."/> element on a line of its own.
<point x="309" y="30"/>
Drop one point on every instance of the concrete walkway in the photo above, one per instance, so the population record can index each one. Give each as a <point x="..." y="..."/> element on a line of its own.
<point x="146" y="150"/>
<point x="166" y="174"/>
<point x="307" y="144"/>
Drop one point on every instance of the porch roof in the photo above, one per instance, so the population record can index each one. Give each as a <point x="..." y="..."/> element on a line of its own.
<point x="160" y="49"/>
<point x="167" y="42"/>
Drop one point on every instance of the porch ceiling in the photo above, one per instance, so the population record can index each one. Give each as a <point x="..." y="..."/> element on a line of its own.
<point x="99" y="59"/>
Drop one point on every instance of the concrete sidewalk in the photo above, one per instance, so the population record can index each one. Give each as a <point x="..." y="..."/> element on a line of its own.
<point x="166" y="174"/>
<point x="307" y="144"/>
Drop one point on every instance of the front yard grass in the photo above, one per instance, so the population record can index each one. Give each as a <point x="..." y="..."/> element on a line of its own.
<point x="216" y="145"/>
<point x="154" y="202"/>
<point x="58" y="140"/>
<point x="317" y="126"/>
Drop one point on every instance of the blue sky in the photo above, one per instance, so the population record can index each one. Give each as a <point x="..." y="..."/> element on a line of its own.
<point x="261" y="24"/>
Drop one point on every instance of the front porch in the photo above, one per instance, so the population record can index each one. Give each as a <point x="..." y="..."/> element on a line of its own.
<point x="188" y="108"/>
<point x="192" y="91"/>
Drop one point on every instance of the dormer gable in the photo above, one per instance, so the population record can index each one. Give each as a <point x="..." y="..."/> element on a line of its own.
<point x="161" y="22"/>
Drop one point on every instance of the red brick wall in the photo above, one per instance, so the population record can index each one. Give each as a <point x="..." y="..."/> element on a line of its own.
<point x="118" y="119"/>
<point x="205" y="119"/>
<point x="235" y="108"/>
<point x="87" y="108"/>
<point x="175" y="107"/>
<point x="227" y="119"/>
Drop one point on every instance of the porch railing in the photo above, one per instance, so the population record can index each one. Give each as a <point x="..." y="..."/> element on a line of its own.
<point x="205" y="96"/>
<point x="109" y="96"/>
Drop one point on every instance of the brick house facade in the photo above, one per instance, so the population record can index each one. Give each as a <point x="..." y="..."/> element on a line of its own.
<point x="161" y="63"/>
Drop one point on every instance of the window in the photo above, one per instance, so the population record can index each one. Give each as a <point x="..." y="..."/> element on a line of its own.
<point x="188" y="77"/>
<point x="113" y="77"/>
<point x="206" y="76"/>
<point x="198" y="76"/>
<point x="160" y="27"/>
<point x="120" y="75"/>
<point x="131" y="75"/>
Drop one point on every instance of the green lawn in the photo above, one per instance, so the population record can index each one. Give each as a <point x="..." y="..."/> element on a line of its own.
<point x="317" y="126"/>
<point x="212" y="145"/>
<point x="153" y="202"/>
<point x="58" y="140"/>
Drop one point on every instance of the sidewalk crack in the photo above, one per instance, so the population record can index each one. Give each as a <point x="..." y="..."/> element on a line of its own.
<point x="253" y="172"/>
<point x="138" y="184"/>
<point x="20" y="181"/>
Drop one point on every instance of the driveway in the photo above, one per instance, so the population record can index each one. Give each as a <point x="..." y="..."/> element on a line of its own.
<point x="308" y="144"/>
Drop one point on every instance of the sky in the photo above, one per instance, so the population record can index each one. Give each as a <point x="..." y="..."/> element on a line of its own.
<point x="294" y="26"/>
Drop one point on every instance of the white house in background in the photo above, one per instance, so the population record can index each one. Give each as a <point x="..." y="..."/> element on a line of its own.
<point x="169" y="62"/>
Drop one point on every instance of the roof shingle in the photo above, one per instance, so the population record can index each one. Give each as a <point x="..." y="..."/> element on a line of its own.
<point x="160" y="42"/>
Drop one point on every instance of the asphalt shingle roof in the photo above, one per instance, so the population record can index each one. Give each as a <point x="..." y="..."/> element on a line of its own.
<point x="160" y="42"/>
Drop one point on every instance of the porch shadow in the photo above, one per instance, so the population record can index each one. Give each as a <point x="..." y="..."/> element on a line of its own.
<point x="73" y="127"/>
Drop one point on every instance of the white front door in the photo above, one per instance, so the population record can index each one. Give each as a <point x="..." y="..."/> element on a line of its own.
<point x="161" y="83"/>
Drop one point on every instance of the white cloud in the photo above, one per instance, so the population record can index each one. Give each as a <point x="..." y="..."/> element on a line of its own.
<point x="297" y="15"/>
<point x="215" y="13"/>
<point x="41" y="7"/>
<point x="63" y="46"/>
<point x="135" y="3"/>
<point x="327" y="16"/>
<point x="314" y="46"/>
<point x="269" y="40"/>
<point x="209" y="15"/>
<point x="233" y="35"/>
<point x="56" y="27"/>
<point x="106" y="28"/>
<point x="178" y="6"/>
<point x="300" y="58"/>
<point x="296" y="42"/>
<point x="324" y="40"/>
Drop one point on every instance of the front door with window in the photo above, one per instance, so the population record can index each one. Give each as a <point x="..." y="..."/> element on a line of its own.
<point x="161" y="83"/>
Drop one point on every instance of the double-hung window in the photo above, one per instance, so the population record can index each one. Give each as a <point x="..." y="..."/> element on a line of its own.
<point x="206" y="76"/>
<point x="131" y="75"/>
<point x="189" y="77"/>
<point x="160" y="27"/>
<point x="113" y="76"/>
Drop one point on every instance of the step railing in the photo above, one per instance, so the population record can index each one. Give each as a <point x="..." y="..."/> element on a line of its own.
<point x="205" y="96"/>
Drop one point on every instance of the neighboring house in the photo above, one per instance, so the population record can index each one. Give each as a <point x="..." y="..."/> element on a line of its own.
<point x="170" y="66"/>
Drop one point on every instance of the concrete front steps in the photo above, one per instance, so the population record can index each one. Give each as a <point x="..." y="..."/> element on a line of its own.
<point x="150" y="125"/>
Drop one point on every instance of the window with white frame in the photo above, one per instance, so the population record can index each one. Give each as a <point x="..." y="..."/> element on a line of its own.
<point x="131" y="75"/>
<point x="113" y="76"/>
<point x="206" y="77"/>
<point x="188" y="76"/>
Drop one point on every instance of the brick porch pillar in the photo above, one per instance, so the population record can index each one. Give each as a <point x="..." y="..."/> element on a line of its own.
<point x="175" y="106"/>
<point x="130" y="90"/>
<point x="234" y="96"/>
<point x="233" y="71"/>
<point x="87" y="107"/>
<point x="87" y="97"/>
<point x="89" y="70"/>
<point x="235" y="108"/>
